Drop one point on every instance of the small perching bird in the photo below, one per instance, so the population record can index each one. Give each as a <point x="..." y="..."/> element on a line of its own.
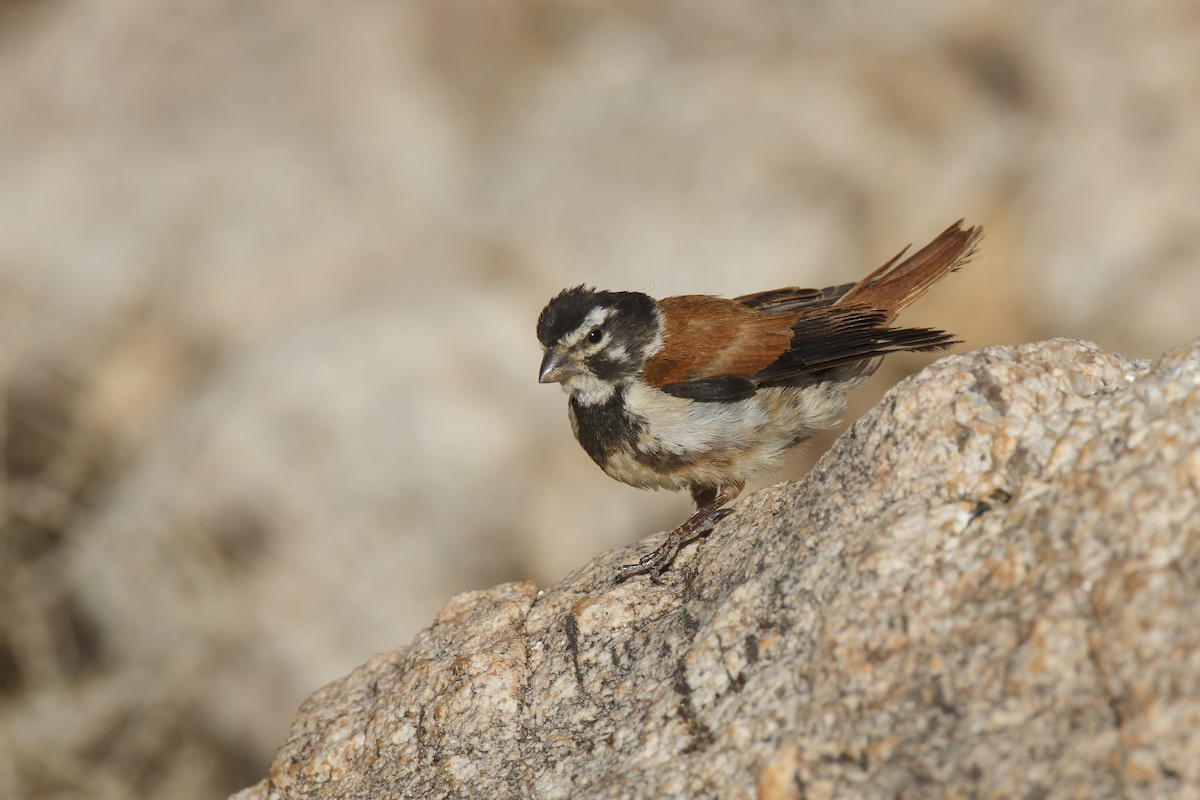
<point x="701" y="393"/>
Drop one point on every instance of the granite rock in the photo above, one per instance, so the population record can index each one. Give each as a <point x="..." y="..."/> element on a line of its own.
<point x="989" y="586"/>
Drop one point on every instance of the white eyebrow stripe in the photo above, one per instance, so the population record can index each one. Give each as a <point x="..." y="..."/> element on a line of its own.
<point x="597" y="316"/>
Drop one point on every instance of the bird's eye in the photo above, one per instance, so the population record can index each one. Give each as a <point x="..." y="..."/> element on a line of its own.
<point x="595" y="335"/>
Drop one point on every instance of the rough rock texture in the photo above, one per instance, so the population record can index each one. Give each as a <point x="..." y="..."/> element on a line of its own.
<point x="990" y="586"/>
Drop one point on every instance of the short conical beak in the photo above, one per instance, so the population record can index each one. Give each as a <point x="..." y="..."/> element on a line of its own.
<point x="554" y="368"/>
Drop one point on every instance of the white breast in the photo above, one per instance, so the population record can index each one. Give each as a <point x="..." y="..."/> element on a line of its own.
<point x="722" y="443"/>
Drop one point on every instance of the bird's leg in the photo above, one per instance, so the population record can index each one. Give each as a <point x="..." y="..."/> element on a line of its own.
<point x="708" y="510"/>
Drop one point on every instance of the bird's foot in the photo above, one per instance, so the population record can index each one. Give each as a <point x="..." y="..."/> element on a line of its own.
<point x="656" y="562"/>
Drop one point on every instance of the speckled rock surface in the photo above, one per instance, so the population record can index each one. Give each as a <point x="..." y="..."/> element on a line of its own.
<point x="990" y="586"/>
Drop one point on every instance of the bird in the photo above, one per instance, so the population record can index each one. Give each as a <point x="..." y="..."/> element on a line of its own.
<point x="701" y="393"/>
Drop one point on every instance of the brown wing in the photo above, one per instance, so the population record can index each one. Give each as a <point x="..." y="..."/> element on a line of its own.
<point x="711" y="337"/>
<point x="716" y="349"/>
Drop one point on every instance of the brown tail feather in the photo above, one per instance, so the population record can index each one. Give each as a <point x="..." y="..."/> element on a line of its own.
<point x="894" y="285"/>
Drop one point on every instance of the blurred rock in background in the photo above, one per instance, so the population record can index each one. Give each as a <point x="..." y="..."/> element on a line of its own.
<point x="269" y="274"/>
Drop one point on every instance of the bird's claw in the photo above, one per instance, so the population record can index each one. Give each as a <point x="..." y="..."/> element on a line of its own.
<point x="656" y="561"/>
<point x="651" y="564"/>
<point x="717" y="516"/>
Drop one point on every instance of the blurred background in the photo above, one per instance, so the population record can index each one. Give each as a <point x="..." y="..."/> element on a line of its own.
<point x="269" y="274"/>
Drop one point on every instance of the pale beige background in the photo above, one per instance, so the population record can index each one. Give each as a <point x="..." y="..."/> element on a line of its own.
<point x="269" y="274"/>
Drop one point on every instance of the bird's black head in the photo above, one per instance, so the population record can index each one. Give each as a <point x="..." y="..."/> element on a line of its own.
<point x="594" y="340"/>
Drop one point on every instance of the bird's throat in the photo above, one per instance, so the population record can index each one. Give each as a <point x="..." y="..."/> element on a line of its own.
<point x="587" y="390"/>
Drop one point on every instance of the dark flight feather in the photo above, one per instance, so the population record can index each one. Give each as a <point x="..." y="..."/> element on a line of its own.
<point x="793" y="298"/>
<point x="727" y="387"/>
